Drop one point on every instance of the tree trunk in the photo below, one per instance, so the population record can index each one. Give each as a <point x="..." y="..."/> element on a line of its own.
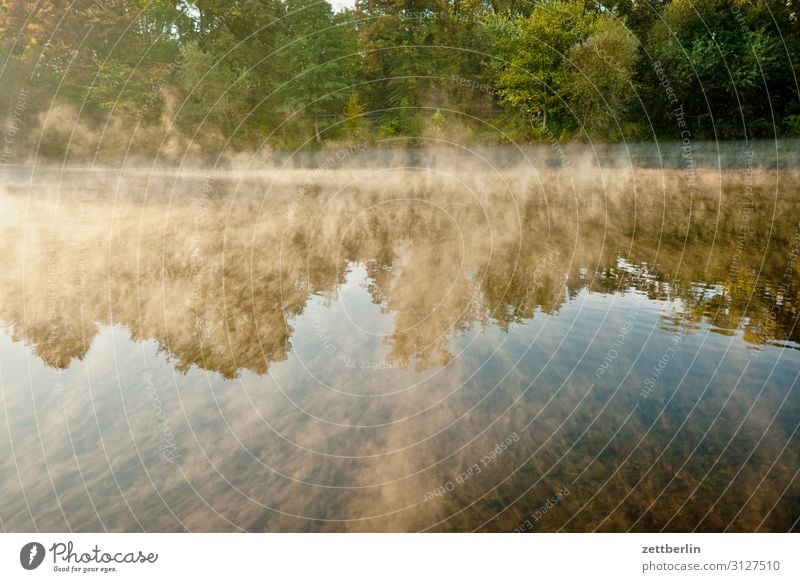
<point x="544" y="113"/>
<point x="544" y="106"/>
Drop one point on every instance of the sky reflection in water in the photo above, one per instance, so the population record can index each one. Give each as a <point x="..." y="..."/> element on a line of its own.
<point x="399" y="351"/>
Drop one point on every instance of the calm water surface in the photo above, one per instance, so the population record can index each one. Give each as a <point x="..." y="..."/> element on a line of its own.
<point x="400" y="350"/>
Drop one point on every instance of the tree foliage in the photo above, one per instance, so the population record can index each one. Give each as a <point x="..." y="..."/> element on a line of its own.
<point x="281" y="73"/>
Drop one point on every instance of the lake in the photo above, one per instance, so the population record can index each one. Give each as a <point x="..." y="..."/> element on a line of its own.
<point x="444" y="348"/>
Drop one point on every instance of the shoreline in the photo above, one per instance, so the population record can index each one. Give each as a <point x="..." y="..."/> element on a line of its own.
<point x="782" y="154"/>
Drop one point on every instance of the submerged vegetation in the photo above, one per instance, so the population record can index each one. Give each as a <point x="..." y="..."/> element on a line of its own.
<point x="93" y="79"/>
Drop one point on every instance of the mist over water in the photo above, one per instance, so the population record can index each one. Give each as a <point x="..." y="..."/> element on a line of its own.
<point x="444" y="341"/>
<point x="715" y="155"/>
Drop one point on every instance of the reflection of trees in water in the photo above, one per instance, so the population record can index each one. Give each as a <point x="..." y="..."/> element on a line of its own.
<point x="216" y="278"/>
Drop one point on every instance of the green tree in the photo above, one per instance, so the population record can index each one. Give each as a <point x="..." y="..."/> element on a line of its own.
<point x="314" y="46"/>
<point x="353" y="120"/>
<point x="245" y="35"/>
<point x="723" y="58"/>
<point x="413" y="48"/>
<point x="217" y="95"/>
<point x="530" y="56"/>
<point x="598" y="80"/>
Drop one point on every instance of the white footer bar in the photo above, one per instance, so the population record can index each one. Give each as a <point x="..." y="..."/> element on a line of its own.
<point x="355" y="557"/>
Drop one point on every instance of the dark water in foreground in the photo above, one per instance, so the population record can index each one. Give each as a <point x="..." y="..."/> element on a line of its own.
<point x="400" y="350"/>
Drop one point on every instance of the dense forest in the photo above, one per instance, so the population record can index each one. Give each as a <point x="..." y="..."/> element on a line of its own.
<point x="95" y="78"/>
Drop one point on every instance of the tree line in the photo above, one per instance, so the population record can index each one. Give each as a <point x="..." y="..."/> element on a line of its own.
<point x="81" y="76"/>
